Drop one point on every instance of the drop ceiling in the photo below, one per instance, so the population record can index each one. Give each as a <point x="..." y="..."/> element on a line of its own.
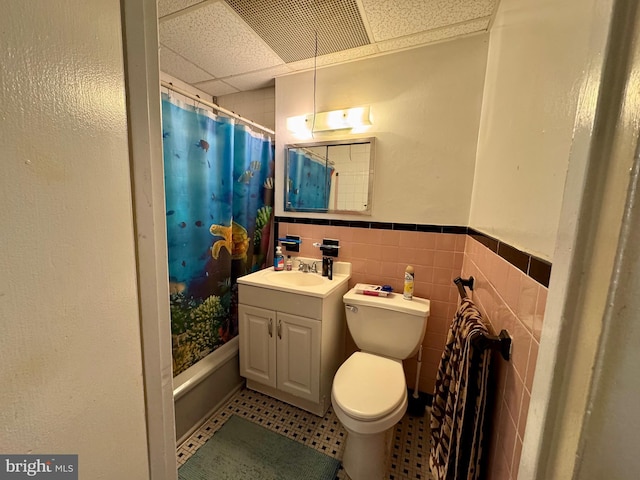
<point x="229" y="46"/>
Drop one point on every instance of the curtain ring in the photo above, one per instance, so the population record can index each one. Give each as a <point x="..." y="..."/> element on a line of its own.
<point x="197" y="102"/>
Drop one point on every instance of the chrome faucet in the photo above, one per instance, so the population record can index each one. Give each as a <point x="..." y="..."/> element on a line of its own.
<point x="307" y="267"/>
<point x="303" y="267"/>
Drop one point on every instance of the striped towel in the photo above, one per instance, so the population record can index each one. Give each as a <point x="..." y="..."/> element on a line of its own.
<point x="459" y="403"/>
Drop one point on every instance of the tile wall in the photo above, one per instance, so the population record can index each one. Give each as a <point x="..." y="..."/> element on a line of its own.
<point x="380" y="256"/>
<point x="351" y="176"/>
<point x="508" y="299"/>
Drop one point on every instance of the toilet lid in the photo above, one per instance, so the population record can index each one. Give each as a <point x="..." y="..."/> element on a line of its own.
<point x="368" y="387"/>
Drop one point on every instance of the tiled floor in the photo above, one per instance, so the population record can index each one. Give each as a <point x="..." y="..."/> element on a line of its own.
<point x="409" y="456"/>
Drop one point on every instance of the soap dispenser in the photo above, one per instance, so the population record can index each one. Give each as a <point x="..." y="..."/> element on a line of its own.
<point x="278" y="260"/>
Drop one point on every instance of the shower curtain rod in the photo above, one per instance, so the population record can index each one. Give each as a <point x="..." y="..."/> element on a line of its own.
<point x="318" y="157"/>
<point x="229" y="113"/>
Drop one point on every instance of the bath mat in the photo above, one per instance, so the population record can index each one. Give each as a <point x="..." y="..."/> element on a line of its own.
<point x="243" y="450"/>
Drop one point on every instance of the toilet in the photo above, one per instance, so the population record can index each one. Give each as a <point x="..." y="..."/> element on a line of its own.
<point x="369" y="393"/>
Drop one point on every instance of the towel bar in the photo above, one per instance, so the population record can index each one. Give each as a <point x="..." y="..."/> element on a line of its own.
<point x="502" y="342"/>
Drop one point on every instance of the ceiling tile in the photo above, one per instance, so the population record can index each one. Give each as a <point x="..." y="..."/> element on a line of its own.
<point x="166" y="7"/>
<point x="419" y="39"/>
<point x="174" y="64"/>
<point x="391" y="18"/>
<point x="206" y="42"/>
<point x="255" y="80"/>
<point x="216" y="88"/>
<point x="337" y="57"/>
<point x="215" y="39"/>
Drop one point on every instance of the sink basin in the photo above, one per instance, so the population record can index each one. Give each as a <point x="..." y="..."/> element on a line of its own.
<point x="299" y="279"/>
<point x="308" y="284"/>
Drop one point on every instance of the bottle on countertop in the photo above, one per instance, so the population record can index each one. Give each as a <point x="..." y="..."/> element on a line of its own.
<point x="325" y="266"/>
<point x="278" y="260"/>
<point x="288" y="264"/>
<point x="407" y="292"/>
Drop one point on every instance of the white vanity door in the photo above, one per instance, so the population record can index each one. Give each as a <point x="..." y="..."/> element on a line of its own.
<point x="257" y="330"/>
<point x="298" y="340"/>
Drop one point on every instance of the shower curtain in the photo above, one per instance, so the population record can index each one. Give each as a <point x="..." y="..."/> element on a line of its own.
<point x="309" y="182"/>
<point x="219" y="206"/>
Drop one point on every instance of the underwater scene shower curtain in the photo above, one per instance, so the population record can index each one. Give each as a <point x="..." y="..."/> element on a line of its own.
<point x="308" y="182"/>
<point x="219" y="205"/>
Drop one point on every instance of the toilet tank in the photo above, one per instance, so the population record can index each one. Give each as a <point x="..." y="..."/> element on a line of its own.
<point x="390" y="326"/>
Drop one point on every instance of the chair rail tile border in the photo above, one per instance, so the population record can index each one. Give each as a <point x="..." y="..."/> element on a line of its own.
<point x="534" y="267"/>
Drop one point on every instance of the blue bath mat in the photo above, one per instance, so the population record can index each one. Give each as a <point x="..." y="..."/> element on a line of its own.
<point x="242" y="450"/>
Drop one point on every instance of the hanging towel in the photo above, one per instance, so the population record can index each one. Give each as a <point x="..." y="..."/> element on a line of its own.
<point x="459" y="403"/>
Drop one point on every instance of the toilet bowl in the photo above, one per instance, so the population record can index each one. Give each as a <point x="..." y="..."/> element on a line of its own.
<point x="369" y="392"/>
<point x="369" y="397"/>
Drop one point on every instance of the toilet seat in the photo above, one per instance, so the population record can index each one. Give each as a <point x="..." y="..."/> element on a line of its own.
<point x="367" y="387"/>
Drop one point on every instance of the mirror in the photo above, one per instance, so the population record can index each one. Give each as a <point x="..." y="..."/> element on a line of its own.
<point x="330" y="177"/>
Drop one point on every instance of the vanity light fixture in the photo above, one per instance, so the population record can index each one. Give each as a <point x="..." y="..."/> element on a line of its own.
<point x="356" y="119"/>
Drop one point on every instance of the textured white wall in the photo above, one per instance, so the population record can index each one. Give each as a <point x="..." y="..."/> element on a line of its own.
<point x="535" y="70"/>
<point x="70" y="356"/>
<point x="425" y="105"/>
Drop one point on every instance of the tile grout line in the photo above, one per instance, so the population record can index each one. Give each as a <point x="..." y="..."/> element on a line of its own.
<point x="325" y="434"/>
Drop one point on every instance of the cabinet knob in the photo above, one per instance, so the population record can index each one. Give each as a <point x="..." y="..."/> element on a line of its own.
<point x="271" y="327"/>
<point x="280" y="329"/>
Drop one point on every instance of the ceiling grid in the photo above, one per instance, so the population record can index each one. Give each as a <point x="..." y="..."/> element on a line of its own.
<point x="218" y="45"/>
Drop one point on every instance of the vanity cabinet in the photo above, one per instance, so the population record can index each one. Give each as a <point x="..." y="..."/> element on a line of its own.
<point x="291" y="344"/>
<point x="280" y="350"/>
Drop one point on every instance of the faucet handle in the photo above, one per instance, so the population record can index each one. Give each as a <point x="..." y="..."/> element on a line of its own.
<point x="302" y="266"/>
<point x="314" y="267"/>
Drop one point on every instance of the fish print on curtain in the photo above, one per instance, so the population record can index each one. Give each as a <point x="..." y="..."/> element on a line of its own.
<point x="308" y="182"/>
<point x="219" y="207"/>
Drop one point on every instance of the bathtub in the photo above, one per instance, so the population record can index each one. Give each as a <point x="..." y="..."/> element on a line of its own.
<point x="204" y="387"/>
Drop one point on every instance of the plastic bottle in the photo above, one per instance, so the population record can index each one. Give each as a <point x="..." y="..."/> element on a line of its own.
<point x="289" y="264"/>
<point x="407" y="292"/>
<point x="278" y="260"/>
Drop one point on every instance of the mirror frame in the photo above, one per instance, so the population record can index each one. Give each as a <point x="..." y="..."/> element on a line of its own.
<point x="346" y="141"/>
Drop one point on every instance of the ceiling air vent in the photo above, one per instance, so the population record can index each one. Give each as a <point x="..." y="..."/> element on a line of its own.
<point x="289" y="27"/>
